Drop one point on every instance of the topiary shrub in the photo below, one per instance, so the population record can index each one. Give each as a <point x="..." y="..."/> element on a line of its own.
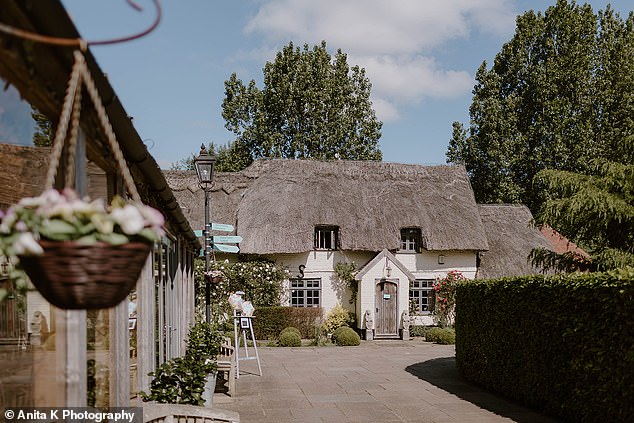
<point x="291" y="329"/>
<point x="346" y="336"/>
<point x="417" y="330"/>
<point x="290" y="339"/>
<point x="444" y="336"/>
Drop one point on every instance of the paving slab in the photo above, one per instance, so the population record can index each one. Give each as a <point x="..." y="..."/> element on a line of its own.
<point x="378" y="381"/>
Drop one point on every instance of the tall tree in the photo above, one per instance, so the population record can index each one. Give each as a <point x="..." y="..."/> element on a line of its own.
<point x="558" y="95"/>
<point x="312" y="106"/>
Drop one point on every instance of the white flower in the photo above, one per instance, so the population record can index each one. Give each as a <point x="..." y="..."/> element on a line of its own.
<point x="153" y="218"/>
<point x="129" y="218"/>
<point x="26" y="245"/>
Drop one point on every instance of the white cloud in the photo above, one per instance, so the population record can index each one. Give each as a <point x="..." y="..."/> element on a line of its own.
<point x="409" y="78"/>
<point x="380" y="26"/>
<point x="393" y="40"/>
<point x="385" y="110"/>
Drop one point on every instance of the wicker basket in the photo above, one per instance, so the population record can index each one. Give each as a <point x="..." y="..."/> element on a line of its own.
<point x="78" y="276"/>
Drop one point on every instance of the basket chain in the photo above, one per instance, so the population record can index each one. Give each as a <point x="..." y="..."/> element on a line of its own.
<point x="80" y="74"/>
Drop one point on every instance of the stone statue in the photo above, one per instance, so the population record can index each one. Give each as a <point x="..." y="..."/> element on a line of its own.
<point x="368" y="318"/>
<point x="38" y="329"/>
<point x="406" y="322"/>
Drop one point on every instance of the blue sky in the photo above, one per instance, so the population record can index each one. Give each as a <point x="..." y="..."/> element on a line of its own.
<point x="421" y="57"/>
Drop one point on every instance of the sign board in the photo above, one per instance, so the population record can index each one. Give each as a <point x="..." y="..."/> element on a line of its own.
<point x="227" y="238"/>
<point x="225" y="248"/>
<point x="222" y="227"/>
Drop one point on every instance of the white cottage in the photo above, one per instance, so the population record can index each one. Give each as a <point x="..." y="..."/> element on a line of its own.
<point x="402" y="225"/>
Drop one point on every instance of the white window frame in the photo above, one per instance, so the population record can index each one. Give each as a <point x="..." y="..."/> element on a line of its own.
<point x="410" y="240"/>
<point x="326" y="237"/>
<point x="420" y="289"/>
<point x="304" y="287"/>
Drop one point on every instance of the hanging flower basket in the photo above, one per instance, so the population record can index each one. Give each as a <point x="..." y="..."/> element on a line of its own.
<point x="79" y="254"/>
<point x="71" y="275"/>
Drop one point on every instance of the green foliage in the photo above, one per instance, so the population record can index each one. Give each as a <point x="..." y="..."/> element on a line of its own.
<point x="562" y="343"/>
<point x="231" y="157"/>
<point x="312" y="106"/>
<point x="270" y="321"/>
<point x="291" y="329"/>
<point x="346" y="272"/>
<point x="444" y="336"/>
<point x="417" y="330"/>
<point x="290" y="338"/>
<point x="337" y="317"/>
<point x="444" y="308"/>
<point x="345" y="336"/>
<point x="203" y="341"/>
<point x="181" y="380"/>
<point x="260" y="280"/>
<point x="44" y="129"/>
<point x="560" y="93"/>
<point x="596" y="211"/>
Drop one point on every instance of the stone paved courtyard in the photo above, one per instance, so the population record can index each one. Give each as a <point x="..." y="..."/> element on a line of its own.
<point x="379" y="381"/>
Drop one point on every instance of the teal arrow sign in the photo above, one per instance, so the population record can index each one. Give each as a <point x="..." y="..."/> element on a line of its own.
<point x="227" y="238"/>
<point x="222" y="227"/>
<point x="198" y="232"/>
<point x="225" y="248"/>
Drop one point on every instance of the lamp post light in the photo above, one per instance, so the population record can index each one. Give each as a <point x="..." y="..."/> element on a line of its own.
<point x="204" y="165"/>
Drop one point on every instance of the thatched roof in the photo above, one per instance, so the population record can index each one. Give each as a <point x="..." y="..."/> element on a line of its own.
<point x="511" y="236"/>
<point x="276" y="204"/>
<point x="22" y="172"/>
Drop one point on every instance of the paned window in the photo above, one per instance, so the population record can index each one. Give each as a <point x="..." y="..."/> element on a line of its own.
<point x="421" y="292"/>
<point x="410" y="239"/>
<point x="326" y="237"/>
<point x="305" y="292"/>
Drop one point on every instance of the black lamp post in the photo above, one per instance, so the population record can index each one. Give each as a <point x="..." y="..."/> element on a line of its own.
<point x="204" y="165"/>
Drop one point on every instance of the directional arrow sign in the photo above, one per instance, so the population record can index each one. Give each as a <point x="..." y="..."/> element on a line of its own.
<point x="222" y="227"/>
<point x="225" y="248"/>
<point x="198" y="232"/>
<point x="227" y="238"/>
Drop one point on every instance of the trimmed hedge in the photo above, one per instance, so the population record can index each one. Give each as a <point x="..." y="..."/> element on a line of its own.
<point x="291" y="329"/>
<point x="270" y="321"/>
<point x="562" y="343"/>
<point x="417" y="330"/>
<point x="444" y="336"/>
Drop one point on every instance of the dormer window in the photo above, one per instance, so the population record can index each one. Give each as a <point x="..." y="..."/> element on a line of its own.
<point x="410" y="240"/>
<point x="326" y="237"/>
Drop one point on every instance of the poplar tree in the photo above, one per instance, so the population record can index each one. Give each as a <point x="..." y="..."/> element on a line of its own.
<point x="559" y="94"/>
<point x="312" y="106"/>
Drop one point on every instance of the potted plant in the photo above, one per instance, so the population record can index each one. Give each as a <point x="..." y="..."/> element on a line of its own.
<point x="79" y="253"/>
<point x="190" y="379"/>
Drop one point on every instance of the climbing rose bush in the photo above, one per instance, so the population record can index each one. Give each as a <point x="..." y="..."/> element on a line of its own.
<point x="444" y="312"/>
<point x="260" y="280"/>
